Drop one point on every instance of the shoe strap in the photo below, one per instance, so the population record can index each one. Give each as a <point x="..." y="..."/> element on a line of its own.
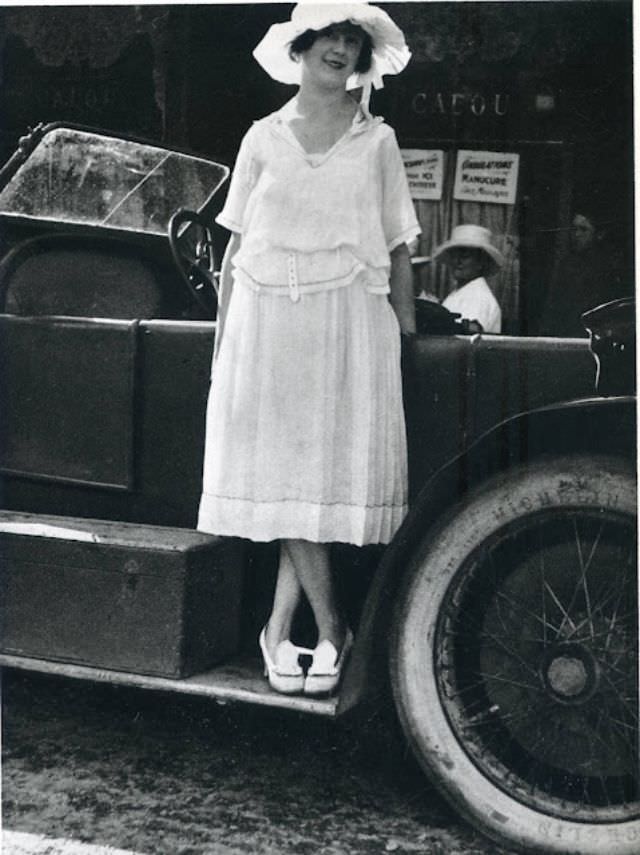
<point x="325" y="657"/>
<point x="286" y="659"/>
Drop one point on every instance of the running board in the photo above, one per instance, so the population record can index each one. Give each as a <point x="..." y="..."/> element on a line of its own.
<point x="238" y="680"/>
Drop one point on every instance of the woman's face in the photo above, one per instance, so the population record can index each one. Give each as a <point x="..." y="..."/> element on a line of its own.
<point x="332" y="58"/>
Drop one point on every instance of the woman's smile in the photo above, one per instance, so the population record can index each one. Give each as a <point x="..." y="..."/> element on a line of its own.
<point x="335" y="63"/>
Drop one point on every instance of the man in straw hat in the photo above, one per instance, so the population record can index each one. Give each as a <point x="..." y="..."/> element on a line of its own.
<point x="470" y="256"/>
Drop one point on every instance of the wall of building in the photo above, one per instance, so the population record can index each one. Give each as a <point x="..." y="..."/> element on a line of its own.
<point x="103" y="66"/>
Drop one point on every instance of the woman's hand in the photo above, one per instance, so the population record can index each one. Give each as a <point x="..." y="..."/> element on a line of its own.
<point x="401" y="284"/>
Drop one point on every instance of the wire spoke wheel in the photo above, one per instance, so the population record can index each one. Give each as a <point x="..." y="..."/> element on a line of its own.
<point x="519" y="626"/>
<point x="537" y="665"/>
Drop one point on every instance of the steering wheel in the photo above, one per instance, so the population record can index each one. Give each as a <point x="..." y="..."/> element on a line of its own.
<point x="191" y="241"/>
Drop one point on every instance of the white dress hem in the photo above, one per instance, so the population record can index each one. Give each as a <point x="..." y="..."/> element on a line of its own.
<point x="263" y="521"/>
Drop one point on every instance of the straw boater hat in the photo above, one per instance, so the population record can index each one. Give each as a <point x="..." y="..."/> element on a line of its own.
<point x="389" y="56"/>
<point x="471" y="237"/>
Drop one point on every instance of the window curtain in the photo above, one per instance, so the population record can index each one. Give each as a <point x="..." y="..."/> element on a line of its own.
<point x="437" y="219"/>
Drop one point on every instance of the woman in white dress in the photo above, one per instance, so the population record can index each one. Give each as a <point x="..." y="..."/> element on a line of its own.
<point x="305" y="427"/>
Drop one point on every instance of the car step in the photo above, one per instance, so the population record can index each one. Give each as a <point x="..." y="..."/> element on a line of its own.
<point x="237" y="681"/>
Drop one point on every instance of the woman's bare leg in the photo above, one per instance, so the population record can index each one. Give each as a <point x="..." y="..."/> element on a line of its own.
<point x="311" y="563"/>
<point x="285" y="602"/>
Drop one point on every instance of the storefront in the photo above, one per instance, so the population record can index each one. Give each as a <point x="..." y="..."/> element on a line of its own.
<point x="525" y="109"/>
<point x="511" y="115"/>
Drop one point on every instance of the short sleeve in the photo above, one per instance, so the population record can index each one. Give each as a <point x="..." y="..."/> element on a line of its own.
<point x="399" y="222"/>
<point x="243" y="180"/>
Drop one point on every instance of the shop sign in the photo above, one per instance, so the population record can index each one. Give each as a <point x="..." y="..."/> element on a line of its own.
<point x="425" y="172"/>
<point x="486" y="176"/>
<point x="461" y="103"/>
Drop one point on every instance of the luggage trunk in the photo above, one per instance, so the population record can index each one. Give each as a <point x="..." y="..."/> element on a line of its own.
<point x="126" y="597"/>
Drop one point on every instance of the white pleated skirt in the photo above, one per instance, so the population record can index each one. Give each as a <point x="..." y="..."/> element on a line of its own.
<point x="305" y="434"/>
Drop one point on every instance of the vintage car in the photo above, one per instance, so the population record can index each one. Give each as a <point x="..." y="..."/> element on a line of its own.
<point x="501" y="620"/>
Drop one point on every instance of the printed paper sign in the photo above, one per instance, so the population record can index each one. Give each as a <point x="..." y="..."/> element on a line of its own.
<point x="425" y="171"/>
<point x="486" y="176"/>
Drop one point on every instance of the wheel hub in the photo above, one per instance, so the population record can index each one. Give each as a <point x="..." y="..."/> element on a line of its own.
<point x="570" y="674"/>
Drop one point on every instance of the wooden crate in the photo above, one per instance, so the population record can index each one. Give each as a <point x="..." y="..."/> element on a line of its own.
<point x="144" y="599"/>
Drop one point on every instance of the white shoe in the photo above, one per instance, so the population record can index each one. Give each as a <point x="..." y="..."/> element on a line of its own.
<point x="325" y="671"/>
<point x="283" y="671"/>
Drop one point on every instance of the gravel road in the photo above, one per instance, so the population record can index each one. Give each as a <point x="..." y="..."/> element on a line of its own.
<point x="160" y="773"/>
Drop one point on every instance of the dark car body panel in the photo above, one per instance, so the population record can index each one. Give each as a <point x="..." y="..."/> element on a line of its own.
<point x="165" y="414"/>
<point x="127" y="402"/>
<point x="456" y="389"/>
<point x="59" y="411"/>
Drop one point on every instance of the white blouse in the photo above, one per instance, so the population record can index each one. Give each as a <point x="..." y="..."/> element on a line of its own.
<point x="475" y="302"/>
<point x="314" y="221"/>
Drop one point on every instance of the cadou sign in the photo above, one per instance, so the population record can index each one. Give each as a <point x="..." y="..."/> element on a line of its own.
<point x="460" y="103"/>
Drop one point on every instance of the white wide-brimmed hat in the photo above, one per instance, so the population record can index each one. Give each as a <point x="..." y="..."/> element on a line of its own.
<point x="471" y="237"/>
<point x="390" y="52"/>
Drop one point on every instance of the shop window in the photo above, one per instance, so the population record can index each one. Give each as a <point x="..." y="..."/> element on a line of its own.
<point x="530" y="233"/>
<point x="438" y="218"/>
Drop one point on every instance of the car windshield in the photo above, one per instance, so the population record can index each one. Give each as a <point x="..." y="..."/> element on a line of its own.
<point x="75" y="176"/>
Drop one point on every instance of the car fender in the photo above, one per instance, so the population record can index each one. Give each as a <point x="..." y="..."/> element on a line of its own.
<point x="598" y="425"/>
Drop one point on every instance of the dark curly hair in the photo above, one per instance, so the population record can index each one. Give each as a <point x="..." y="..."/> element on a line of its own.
<point x="305" y="40"/>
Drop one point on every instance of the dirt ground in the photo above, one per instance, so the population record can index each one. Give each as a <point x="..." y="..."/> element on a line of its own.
<point x="159" y="773"/>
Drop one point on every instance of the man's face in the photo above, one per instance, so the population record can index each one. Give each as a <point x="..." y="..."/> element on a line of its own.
<point x="465" y="264"/>
<point x="582" y="233"/>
